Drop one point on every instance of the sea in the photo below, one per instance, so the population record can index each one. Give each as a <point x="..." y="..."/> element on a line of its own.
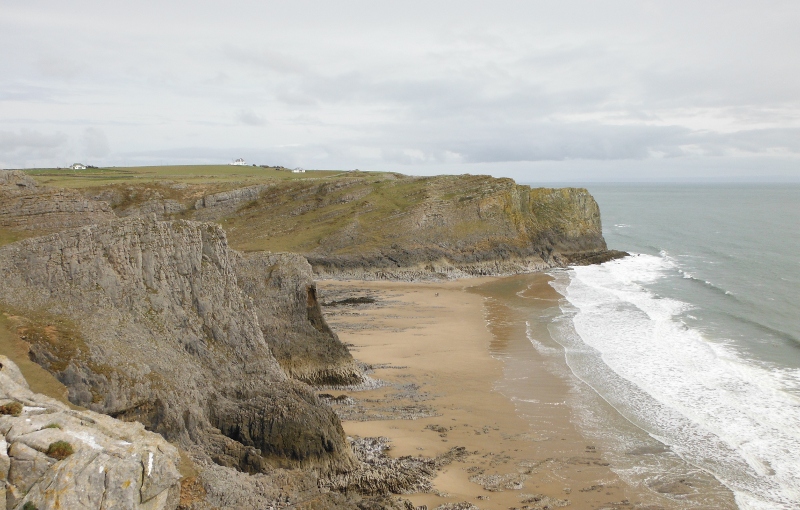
<point x="683" y="358"/>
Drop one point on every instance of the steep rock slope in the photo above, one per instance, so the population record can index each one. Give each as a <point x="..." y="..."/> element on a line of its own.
<point x="285" y="301"/>
<point x="145" y="320"/>
<point x="390" y="224"/>
<point x="113" y="464"/>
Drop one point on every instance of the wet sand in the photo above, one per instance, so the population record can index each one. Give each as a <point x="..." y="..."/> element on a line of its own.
<point x="430" y="343"/>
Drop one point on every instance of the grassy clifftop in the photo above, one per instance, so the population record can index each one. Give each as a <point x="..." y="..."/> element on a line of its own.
<point x="349" y="221"/>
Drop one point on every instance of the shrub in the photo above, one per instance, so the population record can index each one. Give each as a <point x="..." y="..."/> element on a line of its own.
<point x="52" y="426"/>
<point x="13" y="408"/>
<point x="60" y="450"/>
<point x="29" y="506"/>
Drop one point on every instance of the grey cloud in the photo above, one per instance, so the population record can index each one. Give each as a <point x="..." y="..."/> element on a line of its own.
<point x="356" y="84"/>
<point x="266" y="59"/>
<point x="30" y="140"/>
<point x="250" y="118"/>
<point x="23" y="147"/>
<point x="95" y="143"/>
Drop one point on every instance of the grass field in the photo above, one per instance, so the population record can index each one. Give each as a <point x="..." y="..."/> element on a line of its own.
<point x="68" y="178"/>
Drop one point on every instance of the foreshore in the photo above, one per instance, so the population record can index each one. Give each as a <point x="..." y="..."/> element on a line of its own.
<point x="429" y="342"/>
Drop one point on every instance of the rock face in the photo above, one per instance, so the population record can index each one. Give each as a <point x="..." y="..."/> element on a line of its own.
<point x="113" y="464"/>
<point x="285" y="300"/>
<point x="410" y="227"/>
<point x="145" y="320"/>
<point x="24" y="206"/>
<point x="216" y="205"/>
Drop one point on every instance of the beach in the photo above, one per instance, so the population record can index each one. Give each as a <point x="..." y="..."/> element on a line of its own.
<point x="438" y="347"/>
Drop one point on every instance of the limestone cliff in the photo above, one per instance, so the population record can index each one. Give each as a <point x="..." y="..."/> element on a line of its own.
<point x="29" y="209"/>
<point x="285" y="301"/>
<point x="54" y="457"/>
<point x="145" y="320"/>
<point x="389" y="225"/>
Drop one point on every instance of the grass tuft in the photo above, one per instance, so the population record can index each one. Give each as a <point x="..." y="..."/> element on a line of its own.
<point x="60" y="450"/>
<point x="13" y="408"/>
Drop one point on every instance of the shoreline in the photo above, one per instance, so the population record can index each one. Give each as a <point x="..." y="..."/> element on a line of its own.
<point x="429" y="342"/>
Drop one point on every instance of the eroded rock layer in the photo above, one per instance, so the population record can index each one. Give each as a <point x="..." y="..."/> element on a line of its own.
<point x="145" y="320"/>
<point x="27" y="207"/>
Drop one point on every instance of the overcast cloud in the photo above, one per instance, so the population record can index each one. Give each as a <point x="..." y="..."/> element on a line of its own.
<point x="554" y="91"/>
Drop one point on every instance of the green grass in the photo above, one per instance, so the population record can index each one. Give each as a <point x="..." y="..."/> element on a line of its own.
<point x="67" y="178"/>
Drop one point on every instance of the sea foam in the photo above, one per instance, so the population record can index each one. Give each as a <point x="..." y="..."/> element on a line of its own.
<point x="735" y="418"/>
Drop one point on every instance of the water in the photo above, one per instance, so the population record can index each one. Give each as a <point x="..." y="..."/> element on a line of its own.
<point x="695" y="339"/>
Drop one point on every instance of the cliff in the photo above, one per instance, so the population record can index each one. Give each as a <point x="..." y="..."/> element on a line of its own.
<point x="146" y="320"/>
<point x="284" y="298"/>
<point x="390" y="225"/>
<point x="97" y="461"/>
<point x="27" y="209"/>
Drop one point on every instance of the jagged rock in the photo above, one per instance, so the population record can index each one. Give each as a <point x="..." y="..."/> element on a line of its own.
<point x="114" y="464"/>
<point x="379" y="474"/>
<point x="285" y="299"/>
<point x="145" y="320"/>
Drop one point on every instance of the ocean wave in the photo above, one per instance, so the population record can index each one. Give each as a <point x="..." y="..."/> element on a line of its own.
<point x="708" y="284"/>
<point x="719" y="411"/>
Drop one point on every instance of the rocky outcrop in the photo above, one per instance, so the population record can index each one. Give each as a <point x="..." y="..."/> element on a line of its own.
<point x="284" y="297"/>
<point x="25" y="206"/>
<point x="16" y="178"/>
<point x="112" y="464"/>
<point x="216" y="205"/>
<point x="145" y="320"/>
<point x="165" y="200"/>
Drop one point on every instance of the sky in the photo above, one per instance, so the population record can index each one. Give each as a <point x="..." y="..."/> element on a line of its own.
<point x="557" y="91"/>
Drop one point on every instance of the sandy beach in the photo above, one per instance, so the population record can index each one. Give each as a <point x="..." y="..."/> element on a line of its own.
<point x="431" y="345"/>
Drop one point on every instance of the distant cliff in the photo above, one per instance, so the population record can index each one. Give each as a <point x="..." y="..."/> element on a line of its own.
<point x="391" y="225"/>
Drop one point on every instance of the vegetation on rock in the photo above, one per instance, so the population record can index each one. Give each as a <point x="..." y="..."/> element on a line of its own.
<point x="12" y="408"/>
<point x="60" y="450"/>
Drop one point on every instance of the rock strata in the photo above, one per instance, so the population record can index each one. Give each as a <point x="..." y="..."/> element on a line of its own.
<point x="217" y="205"/>
<point x="113" y="464"/>
<point x="145" y="320"/>
<point x="25" y="206"/>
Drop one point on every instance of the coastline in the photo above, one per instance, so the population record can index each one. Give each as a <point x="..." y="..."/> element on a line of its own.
<point x="430" y="343"/>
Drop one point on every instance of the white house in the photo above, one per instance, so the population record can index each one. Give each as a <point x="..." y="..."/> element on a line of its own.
<point x="239" y="162"/>
<point x="298" y="170"/>
<point x="78" y="166"/>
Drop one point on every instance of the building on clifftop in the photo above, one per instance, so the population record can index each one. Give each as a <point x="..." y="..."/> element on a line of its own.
<point x="239" y="162"/>
<point x="78" y="166"/>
